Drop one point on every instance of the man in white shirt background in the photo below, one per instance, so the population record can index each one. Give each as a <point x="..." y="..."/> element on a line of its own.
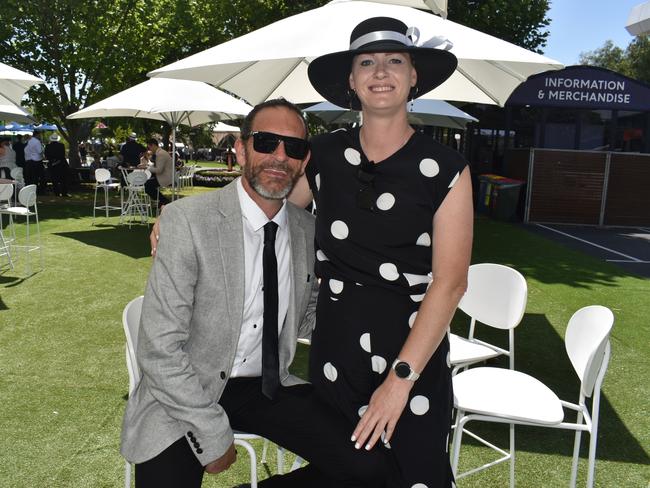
<point x="34" y="171"/>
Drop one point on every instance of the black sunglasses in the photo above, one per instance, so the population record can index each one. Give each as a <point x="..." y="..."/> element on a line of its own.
<point x="268" y="142"/>
<point x="367" y="196"/>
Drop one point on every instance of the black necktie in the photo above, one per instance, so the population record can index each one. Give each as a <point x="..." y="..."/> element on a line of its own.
<point x="270" y="357"/>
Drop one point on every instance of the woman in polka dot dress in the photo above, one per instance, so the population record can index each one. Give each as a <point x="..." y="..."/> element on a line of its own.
<point x="393" y="239"/>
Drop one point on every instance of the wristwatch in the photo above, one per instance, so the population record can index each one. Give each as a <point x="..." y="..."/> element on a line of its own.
<point x="403" y="370"/>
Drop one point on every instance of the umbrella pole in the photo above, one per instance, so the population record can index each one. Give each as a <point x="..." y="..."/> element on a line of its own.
<point x="173" y="163"/>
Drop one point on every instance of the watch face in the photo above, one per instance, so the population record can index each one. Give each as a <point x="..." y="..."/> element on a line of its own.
<point x="402" y="370"/>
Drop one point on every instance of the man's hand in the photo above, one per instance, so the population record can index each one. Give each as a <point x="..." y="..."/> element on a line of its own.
<point x="223" y="463"/>
<point x="155" y="234"/>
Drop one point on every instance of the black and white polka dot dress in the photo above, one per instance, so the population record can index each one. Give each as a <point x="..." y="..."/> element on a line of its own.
<point x="373" y="241"/>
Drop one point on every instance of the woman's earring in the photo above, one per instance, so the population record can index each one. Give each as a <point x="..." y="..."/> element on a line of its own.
<point x="352" y="98"/>
<point x="413" y="93"/>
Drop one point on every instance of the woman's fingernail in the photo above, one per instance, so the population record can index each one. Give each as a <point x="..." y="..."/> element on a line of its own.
<point x="353" y="438"/>
<point x="157" y="237"/>
<point x="367" y="447"/>
<point x="357" y="446"/>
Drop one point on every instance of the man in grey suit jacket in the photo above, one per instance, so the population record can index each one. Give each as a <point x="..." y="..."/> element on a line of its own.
<point x="199" y="346"/>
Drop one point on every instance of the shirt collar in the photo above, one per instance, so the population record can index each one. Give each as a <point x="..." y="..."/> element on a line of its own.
<point x="254" y="214"/>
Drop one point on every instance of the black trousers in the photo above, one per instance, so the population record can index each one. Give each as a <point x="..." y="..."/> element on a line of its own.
<point x="60" y="174"/>
<point x="34" y="174"/>
<point x="296" y="420"/>
<point x="151" y="188"/>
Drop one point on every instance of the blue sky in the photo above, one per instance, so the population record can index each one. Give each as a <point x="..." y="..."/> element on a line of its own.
<point x="584" y="25"/>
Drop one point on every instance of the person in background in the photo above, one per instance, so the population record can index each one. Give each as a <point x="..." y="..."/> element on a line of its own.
<point x="19" y="148"/>
<point x="161" y="172"/>
<point x="34" y="170"/>
<point x="131" y="151"/>
<point x="58" y="165"/>
<point x="7" y="159"/>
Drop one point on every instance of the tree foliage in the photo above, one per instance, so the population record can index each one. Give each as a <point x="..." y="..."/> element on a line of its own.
<point x="521" y="22"/>
<point x="633" y="61"/>
<point x="87" y="50"/>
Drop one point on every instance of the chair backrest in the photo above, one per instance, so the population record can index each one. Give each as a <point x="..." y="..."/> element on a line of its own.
<point x="6" y="190"/>
<point x="131" y="324"/>
<point x="496" y="295"/>
<point x="102" y="175"/>
<point x="17" y="174"/>
<point x="587" y="343"/>
<point x="137" y="178"/>
<point x="27" y="196"/>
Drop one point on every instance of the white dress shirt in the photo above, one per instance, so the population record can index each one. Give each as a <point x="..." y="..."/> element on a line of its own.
<point x="248" y="358"/>
<point x="33" y="150"/>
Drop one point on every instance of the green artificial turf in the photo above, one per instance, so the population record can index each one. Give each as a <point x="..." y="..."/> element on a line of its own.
<point x="63" y="378"/>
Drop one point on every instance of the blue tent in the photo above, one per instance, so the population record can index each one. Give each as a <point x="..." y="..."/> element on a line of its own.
<point x="45" y="126"/>
<point x="16" y="127"/>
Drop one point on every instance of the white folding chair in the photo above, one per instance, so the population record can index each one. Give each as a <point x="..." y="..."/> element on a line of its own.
<point x="5" y="251"/>
<point x="138" y="203"/>
<point x="27" y="208"/>
<point x="131" y="323"/>
<point x="506" y="396"/>
<point x="104" y="181"/>
<point x="496" y="296"/>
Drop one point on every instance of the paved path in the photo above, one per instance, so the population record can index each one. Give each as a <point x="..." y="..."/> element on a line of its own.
<point x="626" y="247"/>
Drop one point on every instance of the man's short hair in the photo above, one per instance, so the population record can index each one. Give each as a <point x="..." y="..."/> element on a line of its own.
<point x="152" y="142"/>
<point x="247" y="125"/>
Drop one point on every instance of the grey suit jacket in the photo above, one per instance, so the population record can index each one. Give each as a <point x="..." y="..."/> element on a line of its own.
<point x="191" y="320"/>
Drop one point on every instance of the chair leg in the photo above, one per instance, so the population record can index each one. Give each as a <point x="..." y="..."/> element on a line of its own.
<point x="106" y="201"/>
<point x="455" y="443"/>
<point x="127" y="475"/>
<point x="95" y="205"/>
<point x="253" y="459"/>
<point x="512" y="455"/>
<point x="593" y="441"/>
<point x="576" y="453"/>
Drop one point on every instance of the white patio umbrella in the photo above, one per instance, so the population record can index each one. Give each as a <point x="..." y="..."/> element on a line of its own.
<point x="174" y="101"/>
<point x="11" y="111"/>
<point x="422" y="112"/>
<point x="221" y="127"/>
<point x="14" y="83"/>
<point x="272" y="61"/>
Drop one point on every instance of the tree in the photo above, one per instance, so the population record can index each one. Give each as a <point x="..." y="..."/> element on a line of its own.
<point x="86" y="50"/>
<point x="521" y="22"/>
<point x="634" y="61"/>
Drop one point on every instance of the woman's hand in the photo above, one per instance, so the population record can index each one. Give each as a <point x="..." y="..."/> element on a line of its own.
<point x="154" y="236"/>
<point x="384" y="410"/>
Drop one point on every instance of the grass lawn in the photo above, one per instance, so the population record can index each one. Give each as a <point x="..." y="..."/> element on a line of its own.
<point x="63" y="378"/>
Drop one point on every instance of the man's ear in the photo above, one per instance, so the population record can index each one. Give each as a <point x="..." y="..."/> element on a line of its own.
<point x="240" y="152"/>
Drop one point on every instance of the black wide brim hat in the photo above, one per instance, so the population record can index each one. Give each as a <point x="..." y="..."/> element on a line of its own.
<point x="329" y="74"/>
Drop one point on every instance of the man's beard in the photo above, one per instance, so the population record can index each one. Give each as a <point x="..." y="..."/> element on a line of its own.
<point x="252" y="175"/>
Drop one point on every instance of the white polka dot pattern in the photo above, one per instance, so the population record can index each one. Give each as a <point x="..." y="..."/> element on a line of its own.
<point x="362" y="410"/>
<point x="448" y="360"/>
<point x="378" y="364"/>
<point x="412" y="319"/>
<point x="388" y="271"/>
<point x="453" y="182"/>
<point x="419" y="485"/>
<point x="364" y="340"/>
<point x="339" y="229"/>
<point x="385" y="201"/>
<point x="417" y="298"/>
<point x="429" y="167"/>
<point x="330" y="372"/>
<point x="320" y="255"/>
<point x="416" y="279"/>
<point x="336" y="286"/>
<point x="352" y="156"/>
<point x="424" y="240"/>
<point x="419" y="405"/>
<point x="317" y="179"/>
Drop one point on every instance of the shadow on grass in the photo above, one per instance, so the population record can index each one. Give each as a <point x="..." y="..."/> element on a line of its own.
<point x="132" y="242"/>
<point x="540" y="352"/>
<point x="540" y="258"/>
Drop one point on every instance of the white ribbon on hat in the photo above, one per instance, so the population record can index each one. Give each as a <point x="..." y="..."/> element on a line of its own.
<point x="410" y="39"/>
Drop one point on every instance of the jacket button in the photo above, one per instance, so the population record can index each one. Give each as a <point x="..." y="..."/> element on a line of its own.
<point x="199" y="451"/>
<point x="190" y="434"/>
<point x="223" y="375"/>
<point x="196" y="444"/>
